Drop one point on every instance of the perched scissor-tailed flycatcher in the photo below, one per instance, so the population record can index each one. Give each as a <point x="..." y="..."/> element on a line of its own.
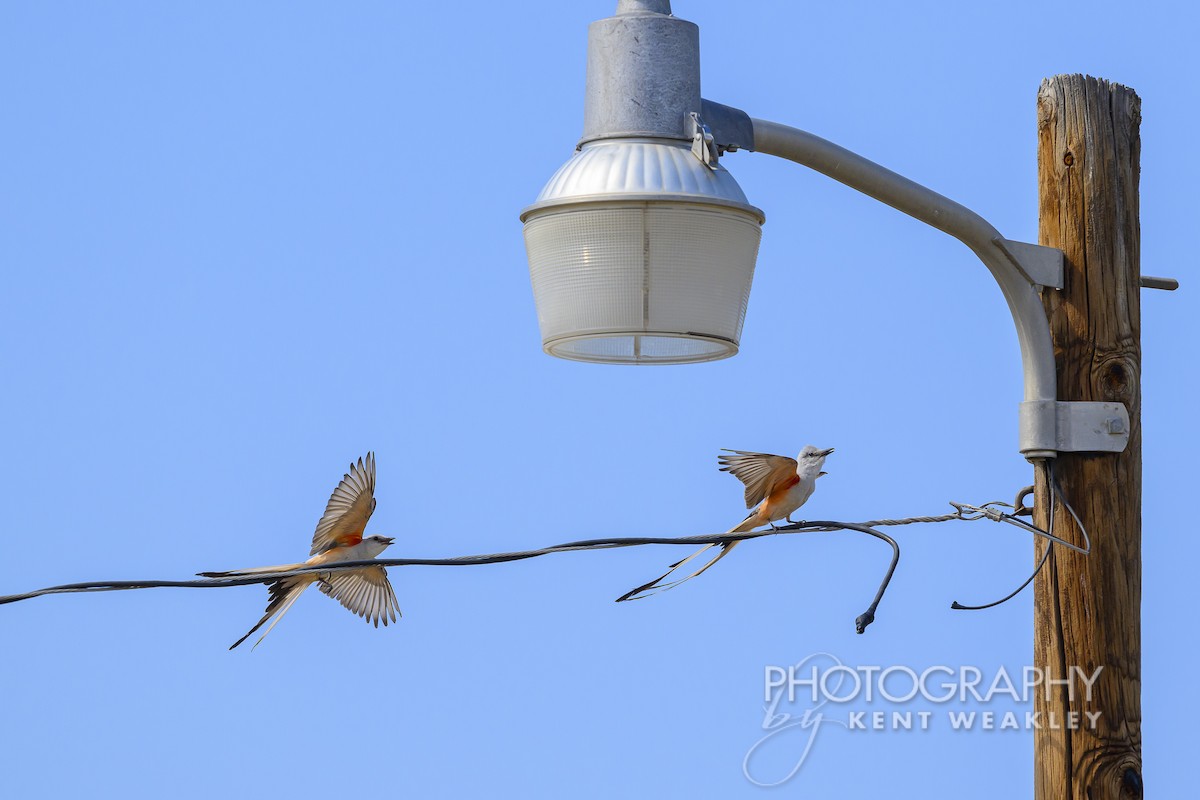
<point x="778" y="485"/>
<point x="339" y="537"/>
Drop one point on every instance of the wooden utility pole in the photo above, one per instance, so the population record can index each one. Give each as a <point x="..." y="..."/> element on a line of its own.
<point x="1087" y="609"/>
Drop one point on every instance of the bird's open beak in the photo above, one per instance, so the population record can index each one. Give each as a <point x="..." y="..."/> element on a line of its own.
<point x="388" y="540"/>
<point x="824" y="453"/>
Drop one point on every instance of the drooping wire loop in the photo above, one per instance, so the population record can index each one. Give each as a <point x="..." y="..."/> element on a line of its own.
<point x="1056" y="496"/>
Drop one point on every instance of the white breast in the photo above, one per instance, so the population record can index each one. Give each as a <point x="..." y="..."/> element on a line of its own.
<point x="796" y="496"/>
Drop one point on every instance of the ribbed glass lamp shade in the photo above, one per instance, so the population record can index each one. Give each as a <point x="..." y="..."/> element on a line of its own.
<point x="640" y="254"/>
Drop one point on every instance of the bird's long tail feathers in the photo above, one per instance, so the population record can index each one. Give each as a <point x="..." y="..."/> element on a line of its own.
<point x="655" y="586"/>
<point x="238" y="573"/>
<point x="283" y="594"/>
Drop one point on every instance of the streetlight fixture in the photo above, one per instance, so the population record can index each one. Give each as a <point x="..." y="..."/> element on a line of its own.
<point x="642" y="246"/>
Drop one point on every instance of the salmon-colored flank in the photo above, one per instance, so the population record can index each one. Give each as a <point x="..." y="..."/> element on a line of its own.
<point x="349" y="539"/>
<point x="781" y="488"/>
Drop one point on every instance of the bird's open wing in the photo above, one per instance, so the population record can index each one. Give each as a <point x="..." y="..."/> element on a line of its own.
<point x="367" y="592"/>
<point x="349" y="508"/>
<point x="761" y="472"/>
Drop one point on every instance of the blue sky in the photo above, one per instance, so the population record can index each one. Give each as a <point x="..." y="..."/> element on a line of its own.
<point x="244" y="243"/>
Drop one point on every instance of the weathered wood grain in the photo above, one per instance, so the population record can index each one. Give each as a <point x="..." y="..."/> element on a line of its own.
<point x="1088" y="608"/>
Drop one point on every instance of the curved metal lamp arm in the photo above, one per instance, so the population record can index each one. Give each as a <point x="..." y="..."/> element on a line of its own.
<point x="1021" y="269"/>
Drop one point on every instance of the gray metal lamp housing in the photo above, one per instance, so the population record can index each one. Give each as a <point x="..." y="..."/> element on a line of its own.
<point x="642" y="246"/>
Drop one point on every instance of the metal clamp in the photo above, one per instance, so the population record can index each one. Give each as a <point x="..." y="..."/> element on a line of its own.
<point x="1078" y="427"/>
<point x="704" y="145"/>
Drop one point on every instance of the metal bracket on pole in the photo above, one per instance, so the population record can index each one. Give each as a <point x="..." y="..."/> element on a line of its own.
<point x="1078" y="427"/>
<point x="1041" y="265"/>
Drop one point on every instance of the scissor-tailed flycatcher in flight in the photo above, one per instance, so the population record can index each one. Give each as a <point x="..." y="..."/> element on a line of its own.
<point x="778" y="485"/>
<point x="339" y="537"/>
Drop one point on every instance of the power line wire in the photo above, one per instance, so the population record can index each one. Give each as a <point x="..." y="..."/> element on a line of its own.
<point x="963" y="511"/>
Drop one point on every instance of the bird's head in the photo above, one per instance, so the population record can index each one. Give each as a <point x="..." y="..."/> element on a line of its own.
<point x="377" y="544"/>
<point x="812" y="459"/>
